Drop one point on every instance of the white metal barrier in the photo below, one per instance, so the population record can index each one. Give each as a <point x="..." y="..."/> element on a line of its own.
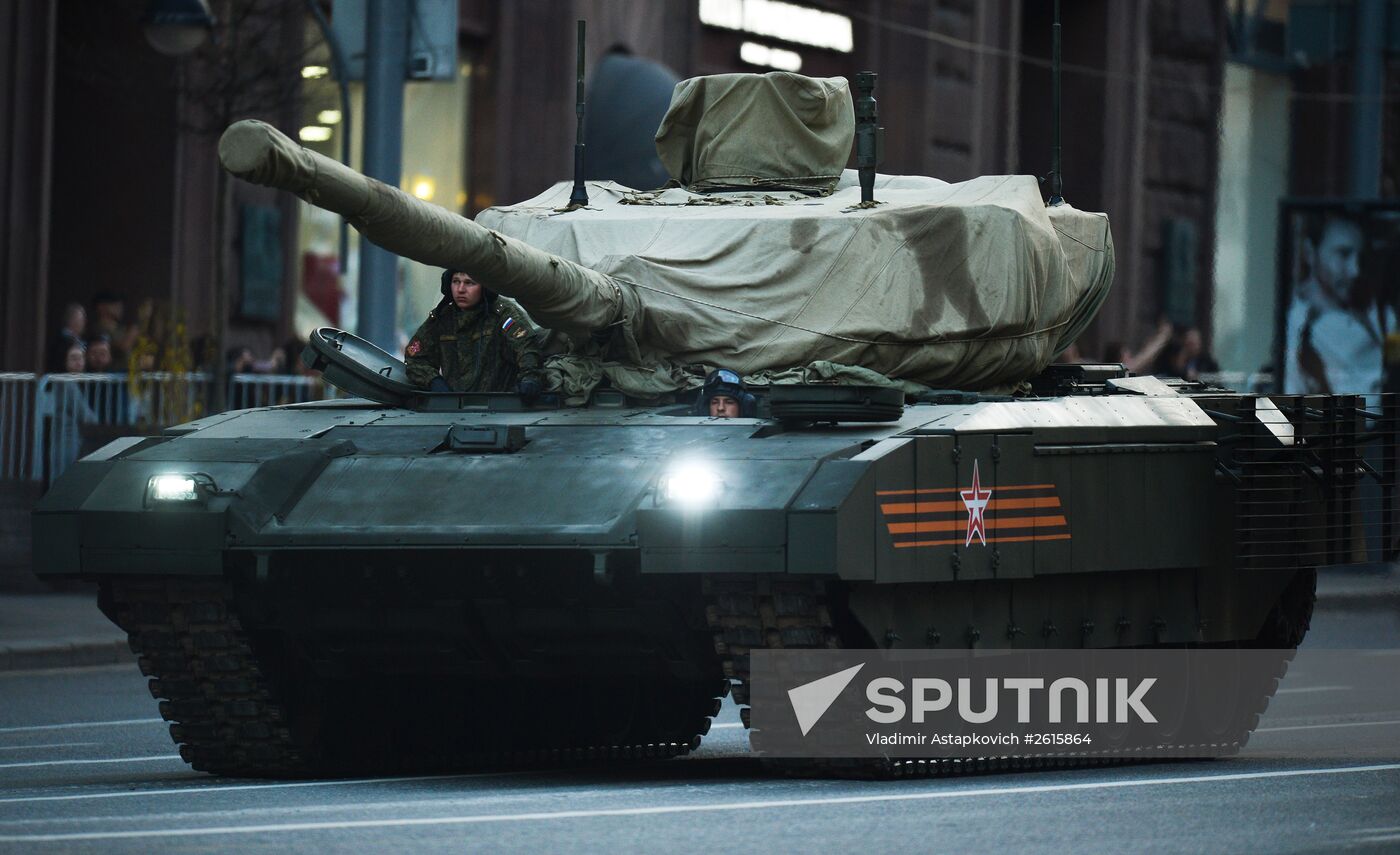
<point x="48" y="421"/>
<point x="17" y="392"/>
<point x="270" y="390"/>
<point x="69" y="408"/>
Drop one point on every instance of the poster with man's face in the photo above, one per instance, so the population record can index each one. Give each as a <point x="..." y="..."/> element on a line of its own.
<point x="1339" y="295"/>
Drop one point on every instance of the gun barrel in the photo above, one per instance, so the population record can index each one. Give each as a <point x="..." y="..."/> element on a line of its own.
<point x="557" y="292"/>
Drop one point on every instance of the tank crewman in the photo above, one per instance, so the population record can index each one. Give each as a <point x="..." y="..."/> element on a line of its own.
<point x="473" y="342"/>
<point x="724" y="396"/>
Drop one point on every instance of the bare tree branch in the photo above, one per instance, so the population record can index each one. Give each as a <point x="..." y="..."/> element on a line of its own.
<point x="252" y="68"/>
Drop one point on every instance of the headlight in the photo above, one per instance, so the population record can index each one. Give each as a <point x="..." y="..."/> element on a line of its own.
<point x="174" y="488"/>
<point x="182" y="489"/>
<point x="690" y="484"/>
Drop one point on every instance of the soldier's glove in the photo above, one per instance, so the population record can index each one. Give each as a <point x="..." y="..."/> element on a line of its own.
<point x="439" y="385"/>
<point x="530" y="387"/>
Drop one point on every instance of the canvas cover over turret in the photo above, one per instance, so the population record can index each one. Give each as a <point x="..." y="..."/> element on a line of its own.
<point x="973" y="285"/>
<point x="776" y="130"/>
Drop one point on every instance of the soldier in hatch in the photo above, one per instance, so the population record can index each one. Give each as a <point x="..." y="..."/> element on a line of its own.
<point x="724" y="396"/>
<point x="473" y="342"/>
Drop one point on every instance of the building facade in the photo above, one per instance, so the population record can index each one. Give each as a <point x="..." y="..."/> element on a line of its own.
<point x="109" y="185"/>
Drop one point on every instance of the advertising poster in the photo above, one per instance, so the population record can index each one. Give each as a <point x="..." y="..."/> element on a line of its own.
<point x="1338" y="294"/>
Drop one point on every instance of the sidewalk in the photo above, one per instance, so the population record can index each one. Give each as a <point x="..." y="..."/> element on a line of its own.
<point x="57" y="630"/>
<point x="61" y="630"/>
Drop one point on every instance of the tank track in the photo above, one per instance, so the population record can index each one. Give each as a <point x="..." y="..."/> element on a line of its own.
<point x="225" y="714"/>
<point x="219" y="704"/>
<point x="224" y="711"/>
<point x="760" y="612"/>
<point x="1289" y="621"/>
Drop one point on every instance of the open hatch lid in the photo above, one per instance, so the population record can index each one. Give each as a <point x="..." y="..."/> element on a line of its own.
<point x="359" y="368"/>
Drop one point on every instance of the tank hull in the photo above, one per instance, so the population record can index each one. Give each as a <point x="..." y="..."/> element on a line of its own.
<point x="339" y="558"/>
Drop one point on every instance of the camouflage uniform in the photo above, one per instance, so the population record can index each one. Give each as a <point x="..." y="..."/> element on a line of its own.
<point x="485" y="348"/>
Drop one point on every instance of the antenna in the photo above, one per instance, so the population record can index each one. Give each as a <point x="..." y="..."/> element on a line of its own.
<point x="1056" y="181"/>
<point x="579" y="198"/>
<point x="870" y="137"/>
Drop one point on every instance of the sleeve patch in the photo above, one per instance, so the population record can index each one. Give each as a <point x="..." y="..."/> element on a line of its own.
<point x="414" y="348"/>
<point x="510" y="322"/>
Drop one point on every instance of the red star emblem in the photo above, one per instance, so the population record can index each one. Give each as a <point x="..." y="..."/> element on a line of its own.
<point x="975" y="500"/>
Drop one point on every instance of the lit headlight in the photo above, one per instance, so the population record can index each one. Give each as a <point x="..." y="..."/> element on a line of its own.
<point x="691" y="484"/>
<point x="173" y="488"/>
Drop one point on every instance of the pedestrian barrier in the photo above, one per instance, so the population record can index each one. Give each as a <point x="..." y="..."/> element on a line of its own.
<point x="16" y="424"/>
<point x="48" y="421"/>
<point x="270" y="390"/>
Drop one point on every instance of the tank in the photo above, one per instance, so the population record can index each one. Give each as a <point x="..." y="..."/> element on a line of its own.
<point x="406" y="580"/>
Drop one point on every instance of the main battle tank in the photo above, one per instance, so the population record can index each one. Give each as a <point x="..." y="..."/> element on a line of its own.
<point x="415" y="580"/>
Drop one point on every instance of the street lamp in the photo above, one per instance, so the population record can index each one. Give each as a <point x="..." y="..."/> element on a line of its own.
<point x="176" y="27"/>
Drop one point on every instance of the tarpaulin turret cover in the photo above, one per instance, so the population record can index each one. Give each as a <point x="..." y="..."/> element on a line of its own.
<point x="775" y="130"/>
<point x="975" y="285"/>
<point x="970" y="285"/>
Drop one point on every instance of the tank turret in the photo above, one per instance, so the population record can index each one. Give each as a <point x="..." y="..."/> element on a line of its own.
<point x="765" y="260"/>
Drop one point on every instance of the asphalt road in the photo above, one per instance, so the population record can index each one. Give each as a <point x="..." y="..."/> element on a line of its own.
<point x="86" y="766"/>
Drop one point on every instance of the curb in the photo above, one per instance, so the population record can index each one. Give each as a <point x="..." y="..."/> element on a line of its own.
<point x="74" y="653"/>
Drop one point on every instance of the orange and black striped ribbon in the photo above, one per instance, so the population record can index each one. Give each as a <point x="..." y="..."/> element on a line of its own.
<point x="1016" y="514"/>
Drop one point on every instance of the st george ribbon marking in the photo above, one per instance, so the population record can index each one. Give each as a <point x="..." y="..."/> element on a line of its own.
<point x="975" y="500"/>
<point x="928" y="703"/>
<point x="956" y="516"/>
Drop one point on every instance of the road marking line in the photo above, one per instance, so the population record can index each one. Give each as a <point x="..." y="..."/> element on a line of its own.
<point x="78" y="724"/>
<point x="1324" y="726"/>
<point x="90" y="762"/>
<point x="46" y="745"/>
<point x="1381" y="838"/>
<point x="184" y="791"/>
<point x="727" y="724"/>
<point x="656" y="810"/>
<point x="1305" y="689"/>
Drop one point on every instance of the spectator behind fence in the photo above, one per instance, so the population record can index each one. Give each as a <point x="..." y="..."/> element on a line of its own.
<point x="1186" y="356"/>
<point x="276" y="363"/>
<point x="1145" y="357"/>
<point x="75" y="358"/>
<point x="240" y="360"/>
<point x="71" y="333"/>
<point x="99" y="355"/>
<point x="108" y="307"/>
<point x="108" y="398"/>
<point x="70" y="410"/>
